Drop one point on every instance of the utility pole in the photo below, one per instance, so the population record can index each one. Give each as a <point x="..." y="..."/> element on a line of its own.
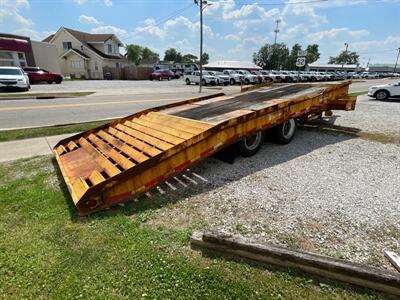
<point x="345" y="52"/>
<point x="276" y="36"/>
<point x="200" y="4"/>
<point x="397" y="60"/>
<point x="276" y="30"/>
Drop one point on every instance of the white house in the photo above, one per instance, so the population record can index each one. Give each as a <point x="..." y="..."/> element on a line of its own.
<point x="86" y="55"/>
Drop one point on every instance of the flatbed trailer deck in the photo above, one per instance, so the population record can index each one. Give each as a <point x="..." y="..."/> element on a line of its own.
<point x="128" y="157"/>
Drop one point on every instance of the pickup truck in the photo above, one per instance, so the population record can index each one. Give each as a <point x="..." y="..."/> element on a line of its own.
<point x="194" y="77"/>
<point x="273" y="76"/>
<point x="384" y="91"/>
<point x="234" y="76"/>
<point x="248" y="77"/>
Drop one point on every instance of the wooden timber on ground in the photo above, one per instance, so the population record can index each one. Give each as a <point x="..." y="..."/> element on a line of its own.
<point x="267" y="254"/>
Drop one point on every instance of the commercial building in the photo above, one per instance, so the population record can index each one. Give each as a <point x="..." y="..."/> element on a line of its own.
<point x="20" y="51"/>
<point x="231" y="65"/>
<point x="16" y="51"/>
<point x="333" y="68"/>
<point x="383" y="68"/>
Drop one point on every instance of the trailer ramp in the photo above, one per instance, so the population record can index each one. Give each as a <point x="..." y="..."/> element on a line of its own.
<point x="130" y="156"/>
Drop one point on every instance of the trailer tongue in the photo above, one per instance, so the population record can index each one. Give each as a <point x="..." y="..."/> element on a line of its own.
<point x="128" y="157"/>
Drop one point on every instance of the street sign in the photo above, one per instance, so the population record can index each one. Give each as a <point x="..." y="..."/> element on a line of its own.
<point x="300" y="62"/>
<point x="301" y="53"/>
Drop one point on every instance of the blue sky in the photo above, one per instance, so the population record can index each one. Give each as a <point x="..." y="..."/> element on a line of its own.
<point x="234" y="29"/>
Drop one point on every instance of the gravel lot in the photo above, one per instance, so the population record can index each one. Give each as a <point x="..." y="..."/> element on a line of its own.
<point x="326" y="192"/>
<point x="375" y="117"/>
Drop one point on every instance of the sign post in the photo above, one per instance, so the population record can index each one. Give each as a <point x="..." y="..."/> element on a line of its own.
<point x="300" y="62"/>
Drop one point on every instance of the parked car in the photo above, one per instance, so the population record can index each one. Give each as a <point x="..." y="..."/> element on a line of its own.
<point x="289" y="76"/>
<point x="248" y="77"/>
<point x="261" y="76"/>
<point x="195" y="78"/>
<point x="271" y="77"/>
<point x="162" y="74"/>
<point x="384" y="91"/>
<point x="14" y="78"/>
<point x="368" y="75"/>
<point x="37" y="74"/>
<point x="234" y="76"/>
<point x="221" y="77"/>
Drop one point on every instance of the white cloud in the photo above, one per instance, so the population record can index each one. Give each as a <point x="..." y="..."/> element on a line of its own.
<point x="359" y="33"/>
<point x="334" y="32"/>
<point x="88" y="20"/>
<point x="10" y="12"/>
<point x="232" y="37"/>
<point x="150" y="28"/>
<point x="108" y="3"/>
<point x="33" y="34"/>
<point x="389" y="41"/>
<point x="180" y="25"/>
<point x="119" y="32"/>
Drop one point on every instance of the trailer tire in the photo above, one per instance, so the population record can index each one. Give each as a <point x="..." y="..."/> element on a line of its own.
<point x="284" y="133"/>
<point x="250" y="145"/>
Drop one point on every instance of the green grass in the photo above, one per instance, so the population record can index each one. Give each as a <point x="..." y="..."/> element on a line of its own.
<point x="358" y="93"/>
<point x="28" y="133"/>
<point x="47" y="252"/>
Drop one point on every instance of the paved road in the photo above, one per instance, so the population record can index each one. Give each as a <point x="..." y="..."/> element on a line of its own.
<point x="34" y="113"/>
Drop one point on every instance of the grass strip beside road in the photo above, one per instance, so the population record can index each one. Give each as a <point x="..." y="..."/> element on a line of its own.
<point x="47" y="252"/>
<point x="19" y="134"/>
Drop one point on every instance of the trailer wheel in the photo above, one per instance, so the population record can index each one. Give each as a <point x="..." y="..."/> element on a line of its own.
<point x="284" y="133"/>
<point x="250" y="145"/>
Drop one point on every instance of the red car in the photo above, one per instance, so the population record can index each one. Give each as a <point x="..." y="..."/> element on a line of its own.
<point x="162" y="74"/>
<point x="36" y="74"/>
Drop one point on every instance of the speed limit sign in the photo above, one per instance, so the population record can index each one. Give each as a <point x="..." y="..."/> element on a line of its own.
<point x="300" y="62"/>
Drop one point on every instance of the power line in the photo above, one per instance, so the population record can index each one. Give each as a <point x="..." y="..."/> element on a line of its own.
<point x="168" y="17"/>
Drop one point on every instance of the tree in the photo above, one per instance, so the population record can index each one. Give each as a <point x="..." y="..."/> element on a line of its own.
<point x="312" y="53"/>
<point x="172" y="54"/>
<point x="189" y="58"/>
<point x="291" y="62"/>
<point x="205" y="58"/>
<point x="134" y="53"/>
<point x="271" y="56"/>
<point x="345" y="57"/>
<point x="149" y="54"/>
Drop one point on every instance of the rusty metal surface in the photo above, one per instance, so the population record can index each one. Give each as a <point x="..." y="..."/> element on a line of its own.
<point x="128" y="157"/>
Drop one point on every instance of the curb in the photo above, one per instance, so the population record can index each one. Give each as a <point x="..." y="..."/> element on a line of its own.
<point x="49" y="95"/>
<point x="58" y="125"/>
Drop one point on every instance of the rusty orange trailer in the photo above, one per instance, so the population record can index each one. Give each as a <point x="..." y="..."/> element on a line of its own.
<point x="128" y="157"/>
